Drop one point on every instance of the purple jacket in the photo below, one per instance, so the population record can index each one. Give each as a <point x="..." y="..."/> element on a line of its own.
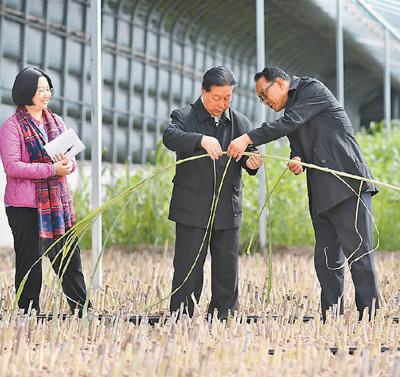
<point x="20" y="172"/>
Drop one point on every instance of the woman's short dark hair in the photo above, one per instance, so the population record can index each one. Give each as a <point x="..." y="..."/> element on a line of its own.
<point x="271" y="74"/>
<point x="219" y="76"/>
<point x="25" y="85"/>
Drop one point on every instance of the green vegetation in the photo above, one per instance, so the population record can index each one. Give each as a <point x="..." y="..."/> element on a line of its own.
<point x="145" y="218"/>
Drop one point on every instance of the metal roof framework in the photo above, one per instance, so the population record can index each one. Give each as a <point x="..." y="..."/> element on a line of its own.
<point x="389" y="10"/>
<point x="300" y="38"/>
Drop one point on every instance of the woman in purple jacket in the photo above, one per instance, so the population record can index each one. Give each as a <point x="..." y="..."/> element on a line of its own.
<point x="37" y="197"/>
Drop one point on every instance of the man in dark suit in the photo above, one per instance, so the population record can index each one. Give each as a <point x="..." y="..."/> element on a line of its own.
<point x="320" y="133"/>
<point x="207" y="126"/>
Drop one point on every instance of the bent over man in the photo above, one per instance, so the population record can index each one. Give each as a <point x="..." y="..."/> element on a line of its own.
<point x="320" y="133"/>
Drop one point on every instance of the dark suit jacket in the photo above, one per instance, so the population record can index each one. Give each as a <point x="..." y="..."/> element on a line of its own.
<point x="194" y="180"/>
<point x="319" y="132"/>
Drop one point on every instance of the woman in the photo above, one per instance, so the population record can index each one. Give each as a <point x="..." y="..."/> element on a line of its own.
<point x="37" y="198"/>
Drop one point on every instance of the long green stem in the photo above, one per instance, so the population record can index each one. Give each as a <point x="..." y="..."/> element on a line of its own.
<point x="249" y="246"/>
<point x="84" y="224"/>
<point x="269" y="277"/>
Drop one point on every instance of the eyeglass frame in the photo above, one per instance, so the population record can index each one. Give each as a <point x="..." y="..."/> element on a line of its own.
<point x="41" y="91"/>
<point x="264" y="93"/>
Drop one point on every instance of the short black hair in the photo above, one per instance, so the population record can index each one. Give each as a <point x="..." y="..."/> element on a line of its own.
<point x="271" y="74"/>
<point x="25" y="85"/>
<point x="219" y="76"/>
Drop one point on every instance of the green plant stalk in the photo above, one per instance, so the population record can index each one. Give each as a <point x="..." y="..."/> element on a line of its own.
<point x="359" y="200"/>
<point x="357" y="231"/>
<point x="81" y="226"/>
<point x="86" y="304"/>
<point x="249" y="246"/>
<point x="335" y="172"/>
<point x="210" y="224"/>
<point x="269" y="278"/>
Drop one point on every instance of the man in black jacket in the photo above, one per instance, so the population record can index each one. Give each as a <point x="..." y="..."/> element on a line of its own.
<point x="320" y="133"/>
<point x="207" y="126"/>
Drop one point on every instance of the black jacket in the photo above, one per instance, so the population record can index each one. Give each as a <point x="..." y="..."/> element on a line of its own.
<point x="319" y="132"/>
<point x="194" y="180"/>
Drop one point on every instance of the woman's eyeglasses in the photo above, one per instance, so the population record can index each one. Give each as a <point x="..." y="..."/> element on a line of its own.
<point x="43" y="91"/>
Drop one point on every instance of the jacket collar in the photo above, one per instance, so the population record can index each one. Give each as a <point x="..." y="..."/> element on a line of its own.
<point x="294" y="83"/>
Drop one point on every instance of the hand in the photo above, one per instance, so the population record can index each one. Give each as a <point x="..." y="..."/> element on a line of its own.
<point x="254" y="161"/>
<point x="212" y="147"/>
<point x="60" y="157"/>
<point x="295" y="167"/>
<point x="63" y="167"/>
<point x="238" y="146"/>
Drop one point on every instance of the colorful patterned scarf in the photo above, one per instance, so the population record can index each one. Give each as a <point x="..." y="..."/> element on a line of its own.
<point x="55" y="210"/>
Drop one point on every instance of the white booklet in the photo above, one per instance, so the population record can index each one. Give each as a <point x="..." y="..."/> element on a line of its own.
<point x="68" y="143"/>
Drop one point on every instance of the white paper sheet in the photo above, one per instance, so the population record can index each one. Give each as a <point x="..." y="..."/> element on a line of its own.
<point x="68" y="143"/>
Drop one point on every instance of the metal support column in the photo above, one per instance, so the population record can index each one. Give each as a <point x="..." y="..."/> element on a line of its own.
<point x="339" y="53"/>
<point x="45" y="50"/>
<point x="396" y="107"/>
<point x="386" y="86"/>
<point x="65" y="57"/>
<point x="131" y="94"/>
<point x="261" y="112"/>
<point x="23" y="44"/>
<point x="83" y="78"/>
<point x="96" y="87"/>
<point x="145" y="120"/>
<point x="114" y="129"/>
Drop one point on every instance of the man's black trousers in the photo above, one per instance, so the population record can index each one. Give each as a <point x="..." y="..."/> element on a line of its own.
<point x="24" y="226"/>
<point x="338" y="237"/>
<point x="224" y="249"/>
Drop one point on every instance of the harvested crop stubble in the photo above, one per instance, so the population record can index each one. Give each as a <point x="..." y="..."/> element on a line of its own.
<point x="115" y="347"/>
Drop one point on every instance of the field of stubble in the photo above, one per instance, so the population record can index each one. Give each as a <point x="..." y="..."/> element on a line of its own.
<point x="275" y="345"/>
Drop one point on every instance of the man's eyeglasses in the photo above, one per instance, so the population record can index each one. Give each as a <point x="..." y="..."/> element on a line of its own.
<point x="42" y="91"/>
<point x="263" y="96"/>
